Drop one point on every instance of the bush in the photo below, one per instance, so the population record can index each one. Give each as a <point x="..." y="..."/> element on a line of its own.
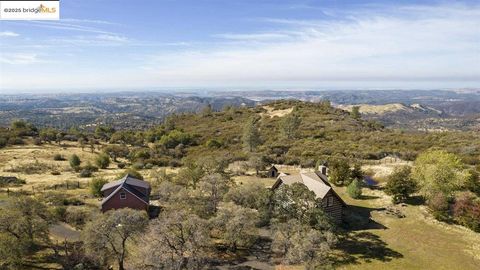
<point x="58" y="157"/>
<point x="148" y="166"/>
<point x="90" y="167"/>
<point x="340" y="173"/>
<point x="466" y="211"/>
<point x="102" y="161"/>
<point x="96" y="185"/>
<point x="212" y="143"/>
<point x="138" y="165"/>
<point x="84" y="173"/>
<point x="131" y="172"/>
<point x="354" y="189"/>
<point x="400" y="185"/>
<point x="11" y="181"/>
<point x="438" y="204"/>
<point x="3" y="142"/>
<point x="74" y="161"/>
<point x="121" y="165"/>
<point x="60" y="212"/>
<point x="76" y="217"/>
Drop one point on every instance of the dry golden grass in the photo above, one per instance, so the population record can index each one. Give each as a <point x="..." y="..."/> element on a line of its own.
<point x="271" y="112"/>
<point x="376" y="109"/>
<point x="12" y="157"/>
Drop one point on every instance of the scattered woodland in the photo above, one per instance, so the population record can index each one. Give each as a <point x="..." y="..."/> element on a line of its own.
<point x="413" y="196"/>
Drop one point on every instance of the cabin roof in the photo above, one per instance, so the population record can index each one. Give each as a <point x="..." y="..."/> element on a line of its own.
<point x="314" y="181"/>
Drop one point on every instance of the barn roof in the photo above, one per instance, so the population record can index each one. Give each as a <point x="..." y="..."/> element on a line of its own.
<point x="127" y="183"/>
<point x="314" y="181"/>
<point x="128" y="179"/>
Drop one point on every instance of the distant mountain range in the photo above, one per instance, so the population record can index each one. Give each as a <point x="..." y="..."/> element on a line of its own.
<point x="408" y="109"/>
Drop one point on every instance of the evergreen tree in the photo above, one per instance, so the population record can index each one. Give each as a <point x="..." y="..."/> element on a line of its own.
<point x="251" y="135"/>
<point x="354" y="189"/>
<point x="290" y="125"/>
<point x="356" y="112"/>
<point x="340" y="173"/>
<point x="74" y="161"/>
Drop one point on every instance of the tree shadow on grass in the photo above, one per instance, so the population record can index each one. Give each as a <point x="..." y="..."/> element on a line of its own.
<point x="364" y="246"/>
<point x="360" y="218"/>
<point x="415" y="200"/>
<point x="368" y="197"/>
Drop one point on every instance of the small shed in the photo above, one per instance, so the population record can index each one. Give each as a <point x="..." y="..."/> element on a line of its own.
<point x="272" y="172"/>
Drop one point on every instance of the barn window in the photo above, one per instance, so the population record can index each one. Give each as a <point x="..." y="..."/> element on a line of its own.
<point x="123" y="195"/>
<point x="330" y="201"/>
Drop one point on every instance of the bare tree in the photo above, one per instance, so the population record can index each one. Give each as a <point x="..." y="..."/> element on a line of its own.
<point x="236" y="225"/>
<point x="176" y="240"/>
<point x="109" y="234"/>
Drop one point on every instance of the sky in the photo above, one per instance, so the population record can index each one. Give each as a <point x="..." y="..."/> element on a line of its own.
<point x="103" y="45"/>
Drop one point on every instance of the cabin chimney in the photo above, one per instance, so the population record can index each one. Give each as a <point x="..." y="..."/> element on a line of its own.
<point x="323" y="169"/>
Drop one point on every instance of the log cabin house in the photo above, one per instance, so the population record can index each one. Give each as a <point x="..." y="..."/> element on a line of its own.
<point x="126" y="192"/>
<point x="317" y="182"/>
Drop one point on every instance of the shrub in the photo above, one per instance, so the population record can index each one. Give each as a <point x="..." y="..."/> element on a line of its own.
<point x="84" y="173"/>
<point x="3" y="142"/>
<point x="90" y="167"/>
<point x="76" y="217"/>
<point x="138" y="165"/>
<point x="11" y="181"/>
<point x="74" y="161"/>
<point x="58" y="157"/>
<point x="148" y="166"/>
<point x="121" y="165"/>
<point x="102" y="161"/>
<point x="354" y="189"/>
<point x="438" y="204"/>
<point x="473" y="182"/>
<point x="60" y="212"/>
<point x="131" y="172"/>
<point x="212" y="143"/>
<point x="400" y="185"/>
<point x="96" y="185"/>
<point x="466" y="211"/>
<point x="340" y="172"/>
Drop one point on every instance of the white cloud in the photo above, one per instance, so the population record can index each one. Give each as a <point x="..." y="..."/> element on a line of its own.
<point x="19" y="58"/>
<point x="8" y="34"/>
<point x="415" y="44"/>
<point x="253" y="36"/>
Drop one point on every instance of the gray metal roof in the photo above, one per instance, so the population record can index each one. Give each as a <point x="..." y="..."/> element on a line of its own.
<point x="126" y="183"/>
<point x="314" y="181"/>
<point x="128" y="179"/>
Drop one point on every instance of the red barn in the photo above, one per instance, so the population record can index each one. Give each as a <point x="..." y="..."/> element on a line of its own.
<point x="126" y="192"/>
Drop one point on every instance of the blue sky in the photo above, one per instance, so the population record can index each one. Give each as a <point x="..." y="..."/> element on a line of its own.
<point x="244" y="44"/>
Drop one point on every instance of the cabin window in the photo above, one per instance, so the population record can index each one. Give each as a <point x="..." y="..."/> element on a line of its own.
<point x="123" y="195"/>
<point x="330" y="201"/>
